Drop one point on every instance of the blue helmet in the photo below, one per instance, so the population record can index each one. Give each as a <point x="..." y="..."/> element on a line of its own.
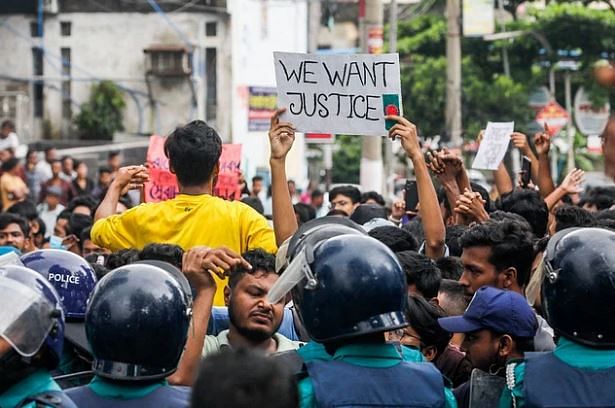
<point x="70" y="274"/>
<point x="32" y="315"/>
<point x="351" y="285"/>
<point x="137" y="323"/>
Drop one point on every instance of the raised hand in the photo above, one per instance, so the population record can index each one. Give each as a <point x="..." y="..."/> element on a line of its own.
<point x="572" y="182"/>
<point x="519" y="140"/>
<point x="131" y="178"/>
<point x="472" y="206"/>
<point x="542" y="141"/>
<point x="407" y="133"/>
<point x="281" y="136"/>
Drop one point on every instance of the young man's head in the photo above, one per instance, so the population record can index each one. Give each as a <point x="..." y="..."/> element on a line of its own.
<point x="51" y="154"/>
<point x="68" y="165"/>
<point x="250" y="313"/>
<point x="56" y="168"/>
<point x="6" y="129"/>
<point x="88" y="247"/>
<point x="244" y="379"/>
<point x="422" y="274"/>
<point x="317" y="199"/>
<point x="10" y="166"/>
<point x="53" y="197"/>
<point x="104" y="177"/>
<point x="451" y="267"/>
<point x="169" y="253"/>
<point x="14" y="231"/>
<point x="257" y="185"/>
<point x="32" y="157"/>
<point x="568" y="216"/>
<point x="345" y="198"/>
<point x="395" y="238"/>
<point x="114" y="160"/>
<point x="529" y="205"/>
<point x="499" y="325"/>
<point x="61" y="227"/>
<point x="598" y="198"/>
<point x="193" y="151"/>
<point x="452" y="298"/>
<point x="372" y="197"/>
<point x="453" y="233"/>
<point x="498" y="254"/>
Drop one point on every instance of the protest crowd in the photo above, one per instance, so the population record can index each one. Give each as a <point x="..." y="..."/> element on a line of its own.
<point x="461" y="298"/>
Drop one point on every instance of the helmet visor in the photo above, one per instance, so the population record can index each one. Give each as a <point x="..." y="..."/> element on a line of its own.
<point x="26" y="318"/>
<point x="296" y="271"/>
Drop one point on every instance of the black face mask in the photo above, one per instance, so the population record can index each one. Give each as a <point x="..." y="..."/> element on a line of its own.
<point x="13" y="369"/>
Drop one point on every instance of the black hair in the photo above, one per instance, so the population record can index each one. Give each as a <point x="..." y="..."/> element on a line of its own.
<point x="421" y="272"/>
<point x="484" y="194"/>
<point x="244" y="379"/>
<point x="529" y="205"/>
<point x="605" y="215"/>
<point x="42" y="228"/>
<point x="8" y="218"/>
<point x="337" y="213"/>
<point x="367" y="212"/>
<point x="193" y="151"/>
<point x="317" y="193"/>
<point x="8" y="123"/>
<point x="260" y="260"/>
<point x="113" y="153"/>
<point x="82" y="201"/>
<point x="77" y="223"/>
<point x="64" y="215"/>
<point x="10" y="164"/>
<point x="606" y="223"/>
<point x="522" y="344"/>
<point x="126" y="201"/>
<point x="500" y="215"/>
<point x="348" y="191"/>
<point x="456" y="300"/>
<point x="257" y="178"/>
<point x="395" y="238"/>
<point x="104" y="169"/>
<point x="453" y="233"/>
<point x="305" y="212"/>
<point x="26" y="209"/>
<point x="64" y="158"/>
<point x="601" y="197"/>
<point x="255" y="203"/>
<point x="372" y="195"/>
<point x="423" y="318"/>
<point x="450" y="267"/>
<point x="568" y="216"/>
<point x="121" y="258"/>
<point x="169" y="253"/>
<point x="84" y="236"/>
<point x="48" y="149"/>
<point x="511" y="246"/>
<point x="415" y="228"/>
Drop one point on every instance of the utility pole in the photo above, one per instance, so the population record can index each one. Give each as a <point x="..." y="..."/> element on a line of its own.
<point x="569" y="127"/>
<point x="370" y="26"/>
<point x="388" y="143"/>
<point x="453" y="72"/>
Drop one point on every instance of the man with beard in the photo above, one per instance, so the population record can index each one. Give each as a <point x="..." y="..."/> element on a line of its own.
<point x="254" y="321"/>
<point x="500" y="254"/>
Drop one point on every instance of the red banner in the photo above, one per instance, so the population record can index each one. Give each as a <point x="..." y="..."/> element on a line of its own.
<point x="227" y="186"/>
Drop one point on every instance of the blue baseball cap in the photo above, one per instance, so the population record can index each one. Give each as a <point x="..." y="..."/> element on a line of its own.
<point x="501" y="311"/>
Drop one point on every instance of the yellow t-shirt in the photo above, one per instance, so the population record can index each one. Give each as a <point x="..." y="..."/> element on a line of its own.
<point x="188" y="221"/>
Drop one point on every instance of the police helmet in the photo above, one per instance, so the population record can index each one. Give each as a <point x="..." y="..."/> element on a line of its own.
<point x="137" y="323"/>
<point x="32" y="315"/>
<point x="70" y="274"/>
<point x="349" y="285"/>
<point x="578" y="287"/>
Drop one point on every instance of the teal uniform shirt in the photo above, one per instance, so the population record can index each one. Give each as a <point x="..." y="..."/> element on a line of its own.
<point x="365" y="355"/>
<point x="316" y="351"/>
<point x="36" y="383"/>
<point x="569" y="352"/>
<point x="107" y="389"/>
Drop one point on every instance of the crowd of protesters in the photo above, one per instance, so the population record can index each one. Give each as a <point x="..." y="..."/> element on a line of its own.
<point x="471" y="298"/>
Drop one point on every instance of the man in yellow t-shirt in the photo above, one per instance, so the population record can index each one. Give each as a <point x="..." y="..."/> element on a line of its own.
<point x="194" y="217"/>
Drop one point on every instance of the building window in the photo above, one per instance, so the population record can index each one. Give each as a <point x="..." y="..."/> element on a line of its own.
<point x="65" y="27"/>
<point x="67" y="108"/>
<point x="211" y="29"/>
<point x="168" y="61"/>
<point x="211" y="101"/>
<point x="34" y="29"/>
<point x="37" y="61"/>
<point x="65" y="61"/>
<point x="38" y="99"/>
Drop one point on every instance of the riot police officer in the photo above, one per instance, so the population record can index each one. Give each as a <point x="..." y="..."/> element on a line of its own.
<point x="136" y="324"/>
<point x="349" y="290"/>
<point x="31" y="337"/>
<point x="577" y="291"/>
<point x="74" y="280"/>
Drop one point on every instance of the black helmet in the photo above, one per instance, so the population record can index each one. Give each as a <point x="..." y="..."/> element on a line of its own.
<point x="352" y="285"/>
<point x="578" y="288"/>
<point x="315" y="230"/>
<point x="137" y="323"/>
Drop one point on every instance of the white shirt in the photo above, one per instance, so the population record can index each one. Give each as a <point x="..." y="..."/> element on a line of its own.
<point x="214" y="344"/>
<point x="49" y="217"/>
<point x="9" y="142"/>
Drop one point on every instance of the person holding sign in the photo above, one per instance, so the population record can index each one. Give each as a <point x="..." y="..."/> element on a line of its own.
<point x="194" y="217"/>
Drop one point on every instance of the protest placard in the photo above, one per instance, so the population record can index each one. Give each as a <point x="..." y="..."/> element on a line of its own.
<point x="163" y="184"/>
<point x="227" y="186"/>
<point x="339" y="94"/>
<point x="493" y="146"/>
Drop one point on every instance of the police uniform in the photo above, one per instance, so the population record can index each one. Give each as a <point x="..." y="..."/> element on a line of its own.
<point x="348" y="289"/>
<point x="577" y="295"/>
<point x="136" y="324"/>
<point x="32" y="306"/>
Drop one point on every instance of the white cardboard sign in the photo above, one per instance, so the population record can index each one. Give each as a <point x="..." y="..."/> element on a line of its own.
<point x="493" y="146"/>
<point x="339" y="94"/>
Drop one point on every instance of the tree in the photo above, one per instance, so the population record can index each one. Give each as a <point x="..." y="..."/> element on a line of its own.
<point x="101" y="115"/>
<point x="346" y="159"/>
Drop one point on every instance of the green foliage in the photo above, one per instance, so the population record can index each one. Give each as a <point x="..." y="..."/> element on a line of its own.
<point x="346" y="159"/>
<point x="101" y="115"/>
